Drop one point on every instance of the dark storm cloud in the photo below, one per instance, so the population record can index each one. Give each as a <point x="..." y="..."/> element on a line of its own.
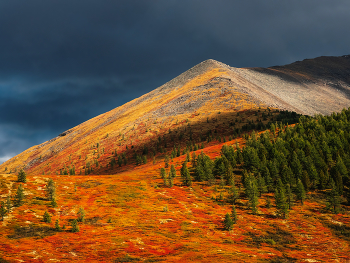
<point x="65" y="61"/>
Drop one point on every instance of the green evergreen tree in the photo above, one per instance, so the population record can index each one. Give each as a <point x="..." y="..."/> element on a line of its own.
<point x="22" y="176"/>
<point x="3" y="210"/>
<point x="75" y="227"/>
<point x="53" y="202"/>
<point x="289" y="196"/>
<point x="47" y="217"/>
<point x="188" y="159"/>
<point x="81" y="215"/>
<point x="185" y="174"/>
<point x="166" y="160"/>
<point x="8" y="203"/>
<point x="233" y="194"/>
<point x="252" y="193"/>
<point x="301" y="192"/>
<point x="172" y="171"/>
<point x="333" y="202"/>
<point x="51" y="189"/>
<point x="261" y="185"/>
<point x="280" y="200"/>
<point x="19" y="196"/>
<point x="162" y="173"/>
<point x="234" y="214"/>
<point x="57" y="225"/>
<point x="228" y="224"/>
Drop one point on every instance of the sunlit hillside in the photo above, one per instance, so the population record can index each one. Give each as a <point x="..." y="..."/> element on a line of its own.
<point x="218" y="165"/>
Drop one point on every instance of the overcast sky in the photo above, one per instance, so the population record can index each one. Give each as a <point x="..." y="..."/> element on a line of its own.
<point x="63" y="62"/>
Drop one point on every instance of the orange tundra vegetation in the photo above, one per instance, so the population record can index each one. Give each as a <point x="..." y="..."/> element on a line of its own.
<point x="109" y="203"/>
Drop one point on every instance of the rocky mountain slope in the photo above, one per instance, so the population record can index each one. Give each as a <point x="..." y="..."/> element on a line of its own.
<point x="320" y="85"/>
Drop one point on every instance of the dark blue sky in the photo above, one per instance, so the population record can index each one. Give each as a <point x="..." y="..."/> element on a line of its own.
<point x="63" y="62"/>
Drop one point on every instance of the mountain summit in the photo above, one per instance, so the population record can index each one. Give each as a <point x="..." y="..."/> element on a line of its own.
<point x="312" y="86"/>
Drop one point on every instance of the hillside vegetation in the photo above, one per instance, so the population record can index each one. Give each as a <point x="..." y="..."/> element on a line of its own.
<point x="217" y="165"/>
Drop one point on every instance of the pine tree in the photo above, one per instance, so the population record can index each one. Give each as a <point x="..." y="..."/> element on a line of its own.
<point x="301" y="192"/>
<point x="261" y="185"/>
<point x="47" y="217"/>
<point x="81" y="215"/>
<point x="306" y="180"/>
<point x="234" y="214"/>
<point x="193" y="161"/>
<point x="280" y="199"/>
<point x="171" y="182"/>
<point x="166" y="160"/>
<point x="53" y="202"/>
<point x="252" y="193"/>
<point x="333" y="203"/>
<point x="188" y="156"/>
<point x="162" y="173"/>
<point x="19" y="196"/>
<point x="228" y="224"/>
<point x="8" y="204"/>
<point x="233" y="195"/>
<point x="185" y="174"/>
<point x="289" y="196"/>
<point x="51" y="189"/>
<point x="57" y="225"/>
<point x="75" y="227"/>
<point x="22" y="176"/>
<point x="172" y="171"/>
<point x="3" y="210"/>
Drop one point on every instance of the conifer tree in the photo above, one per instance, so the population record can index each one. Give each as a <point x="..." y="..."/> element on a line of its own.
<point x="162" y="173"/>
<point x="234" y="214"/>
<point x="301" y="192"/>
<point x="333" y="203"/>
<point x="81" y="215"/>
<point x="53" y="202"/>
<point x="172" y="171"/>
<point x="289" y="196"/>
<point x="252" y="193"/>
<point x="306" y="180"/>
<point x="171" y="182"/>
<point x="228" y="224"/>
<point x="22" y="176"/>
<point x="50" y="189"/>
<point x="3" y="210"/>
<point x="185" y="174"/>
<point x="75" y="227"/>
<point x="8" y="204"/>
<point x="280" y="199"/>
<point x="47" y="217"/>
<point x="166" y="160"/>
<point x="268" y="202"/>
<point x="233" y="194"/>
<point x="57" y="225"/>
<point x="188" y="156"/>
<point x="193" y="159"/>
<point x="261" y="185"/>
<point x="19" y="196"/>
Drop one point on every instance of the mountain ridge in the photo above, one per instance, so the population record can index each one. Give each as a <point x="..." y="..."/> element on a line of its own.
<point x="204" y="90"/>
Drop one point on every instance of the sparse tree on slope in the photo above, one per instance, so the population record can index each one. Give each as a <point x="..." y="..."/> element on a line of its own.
<point x="22" y="176"/>
<point x="19" y="196"/>
<point x="228" y="224"/>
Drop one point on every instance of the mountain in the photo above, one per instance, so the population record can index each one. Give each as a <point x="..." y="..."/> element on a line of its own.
<point x="217" y="165"/>
<point x="312" y="86"/>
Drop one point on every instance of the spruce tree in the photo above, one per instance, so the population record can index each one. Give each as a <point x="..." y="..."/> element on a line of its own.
<point x="333" y="203"/>
<point x="234" y="214"/>
<point x="53" y="202"/>
<point x="252" y="193"/>
<point x="171" y="182"/>
<point x="47" y="217"/>
<point x="172" y="171"/>
<point x="185" y="174"/>
<point x="19" y="196"/>
<point x="3" y="210"/>
<point x="50" y="189"/>
<point x="289" y="196"/>
<point x="233" y="194"/>
<point x="162" y="173"/>
<point x="81" y="215"/>
<point x="228" y="224"/>
<point x="188" y="156"/>
<point x="300" y="192"/>
<point x="268" y="202"/>
<point x="22" y="176"/>
<point x="57" y="225"/>
<point x="8" y="204"/>
<point x="75" y="227"/>
<point x="261" y="185"/>
<point x="280" y="200"/>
